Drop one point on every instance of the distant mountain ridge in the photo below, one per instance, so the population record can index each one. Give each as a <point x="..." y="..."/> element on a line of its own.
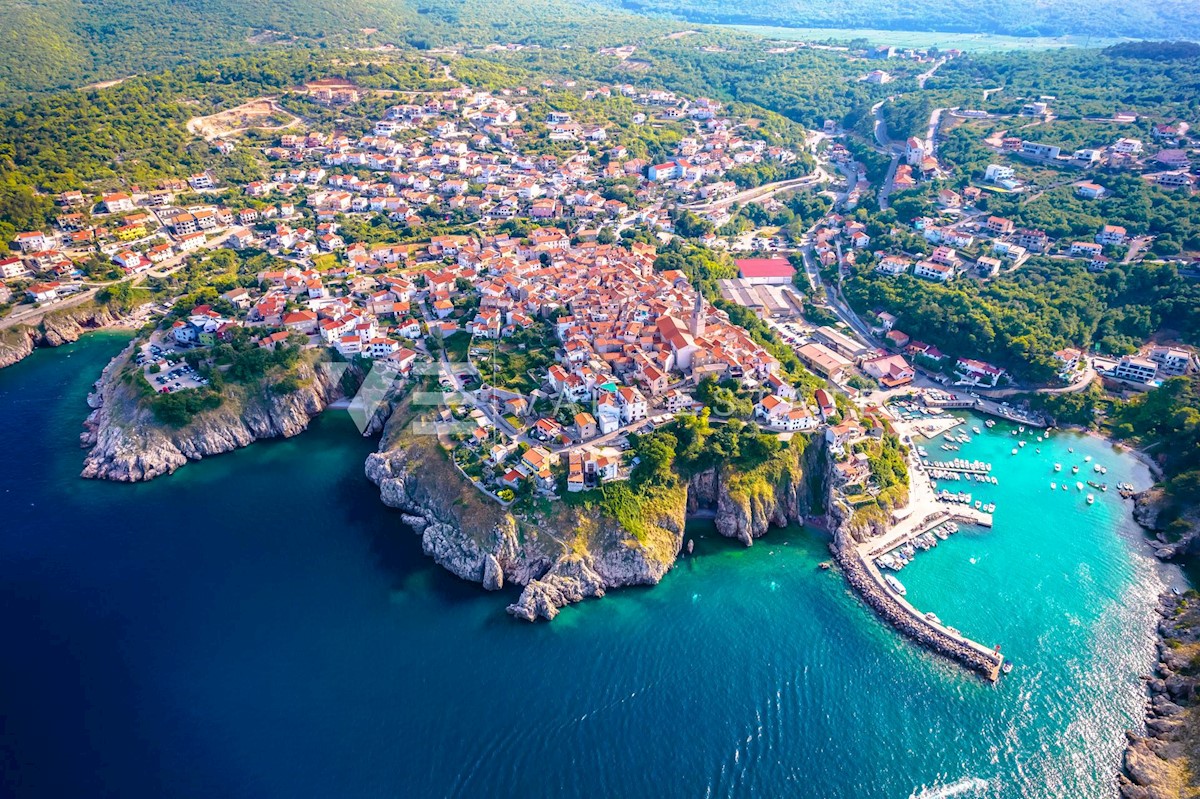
<point x="1145" y="19"/>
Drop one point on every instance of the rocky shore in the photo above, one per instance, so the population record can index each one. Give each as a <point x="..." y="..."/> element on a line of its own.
<point x="54" y="329"/>
<point x="567" y="553"/>
<point x="1162" y="764"/>
<point x="127" y="444"/>
<point x="894" y="613"/>
<point x="1175" y="531"/>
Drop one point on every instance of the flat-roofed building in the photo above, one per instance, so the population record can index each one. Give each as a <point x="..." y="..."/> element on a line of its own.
<point x="823" y="360"/>
<point x="1137" y="370"/>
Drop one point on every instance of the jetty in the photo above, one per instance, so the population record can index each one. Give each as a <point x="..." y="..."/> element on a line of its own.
<point x="924" y="512"/>
<point x="858" y="563"/>
<point x="865" y="577"/>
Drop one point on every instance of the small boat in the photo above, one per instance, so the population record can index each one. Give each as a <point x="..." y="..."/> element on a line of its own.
<point x="895" y="584"/>
<point x="1022" y="445"/>
<point x="1096" y="468"/>
<point x="1088" y="459"/>
<point x="1022" y="429"/>
<point x="1039" y="439"/>
<point x="1070" y="449"/>
<point x="990" y="423"/>
<point x="1091" y="498"/>
<point x="1103" y="470"/>
<point x="1064" y="486"/>
<point x="1079" y="486"/>
<point x="975" y="430"/>
<point x="1014" y="451"/>
<point x="1053" y="486"/>
<point x="1074" y="470"/>
<point x="978" y="504"/>
<point x="1007" y="667"/>
<point x="1058" y="467"/>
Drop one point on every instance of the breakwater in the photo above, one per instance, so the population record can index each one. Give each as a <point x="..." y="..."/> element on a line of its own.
<point x="906" y="619"/>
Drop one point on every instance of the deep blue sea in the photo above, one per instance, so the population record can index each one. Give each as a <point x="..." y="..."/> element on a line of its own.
<point x="259" y="625"/>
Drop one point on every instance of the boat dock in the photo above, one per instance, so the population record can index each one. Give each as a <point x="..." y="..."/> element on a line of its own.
<point x="960" y="466"/>
<point x="903" y="533"/>
<point x="933" y="426"/>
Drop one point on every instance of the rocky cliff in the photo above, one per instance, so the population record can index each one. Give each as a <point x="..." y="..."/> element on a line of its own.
<point x="1176" y="528"/>
<point x="562" y="552"/>
<point x="127" y="443"/>
<point x="1162" y="764"/>
<point x="746" y="503"/>
<point x="54" y="329"/>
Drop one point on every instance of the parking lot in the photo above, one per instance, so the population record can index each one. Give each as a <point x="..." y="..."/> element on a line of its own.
<point x="173" y="373"/>
<point x="795" y="333"/>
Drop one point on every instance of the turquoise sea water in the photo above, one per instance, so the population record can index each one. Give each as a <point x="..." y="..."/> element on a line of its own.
<point x="258" y="625"/>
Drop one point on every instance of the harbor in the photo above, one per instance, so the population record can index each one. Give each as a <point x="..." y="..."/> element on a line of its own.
<point x="924" y="628"/>
<point x="931" y="516"/>
<point x="928" y="518"/>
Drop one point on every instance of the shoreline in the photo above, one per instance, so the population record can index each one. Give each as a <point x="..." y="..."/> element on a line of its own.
<point x="923" y="512"/>
<point x="64" y="326"/>
<point x="1155" y="761"/>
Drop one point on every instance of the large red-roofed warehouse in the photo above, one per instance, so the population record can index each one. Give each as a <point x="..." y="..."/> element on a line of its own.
<point x="766" y="270"/>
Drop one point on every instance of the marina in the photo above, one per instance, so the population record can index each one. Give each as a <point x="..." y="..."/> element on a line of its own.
<point x="933" y="516"/>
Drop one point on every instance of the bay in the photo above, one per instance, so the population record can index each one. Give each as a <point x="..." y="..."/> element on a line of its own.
<point x="259" y="625"/>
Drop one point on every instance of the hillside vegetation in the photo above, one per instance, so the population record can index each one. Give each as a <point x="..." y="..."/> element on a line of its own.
<point x="1012" y="17"/>
<point x="64" y="44"/>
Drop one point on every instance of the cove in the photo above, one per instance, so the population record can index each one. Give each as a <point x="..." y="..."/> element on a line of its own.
<point x="259" y="624"/>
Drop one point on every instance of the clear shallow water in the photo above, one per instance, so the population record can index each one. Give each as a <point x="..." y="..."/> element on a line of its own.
<point x="258" y="625"/>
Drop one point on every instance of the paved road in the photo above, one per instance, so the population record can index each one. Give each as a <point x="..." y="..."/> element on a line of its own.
<point x="881" y="131"/>
<point x="927" y="74"/>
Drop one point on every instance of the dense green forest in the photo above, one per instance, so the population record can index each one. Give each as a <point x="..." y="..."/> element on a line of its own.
<point x="60" y="44"/>
<point x="1019" y="320"/>
<point x="56" y="44"/>
<point x="1084" y="83"/>
<point x="1013" y="17"/>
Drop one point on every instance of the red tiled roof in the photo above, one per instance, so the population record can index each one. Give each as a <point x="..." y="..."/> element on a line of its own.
<point x="765" y="267"/>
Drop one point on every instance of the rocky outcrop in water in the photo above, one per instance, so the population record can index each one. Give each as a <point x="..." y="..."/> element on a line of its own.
<point x="54" y="329"/>
<point x="567" y="553"/>
<point x="1159" y="764"/>
<point x="128" y="444"/>
<point x="1176" y="529"/>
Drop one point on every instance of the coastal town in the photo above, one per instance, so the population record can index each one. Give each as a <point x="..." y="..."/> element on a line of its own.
<point x="565" y="317"/>
<point x="424" y="398"/>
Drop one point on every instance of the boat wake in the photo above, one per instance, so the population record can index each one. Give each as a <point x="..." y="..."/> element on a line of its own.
<point x="966" y="784"/>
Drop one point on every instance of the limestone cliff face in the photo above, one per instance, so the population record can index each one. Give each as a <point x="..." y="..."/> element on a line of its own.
<point x="560" y="556"/>
<point x="1176" y="529"/>
<point x="55" y="329"/>
<point x="128" y="444"/>
<point x="567" y="553"/>
<point x="748" y="503"/>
